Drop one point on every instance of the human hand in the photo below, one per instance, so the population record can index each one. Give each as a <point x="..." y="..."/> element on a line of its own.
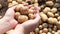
<point x="27" y="26"/>
<point x="8" y="21"/>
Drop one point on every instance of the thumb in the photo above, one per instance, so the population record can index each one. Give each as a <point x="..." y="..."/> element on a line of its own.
<point x="10" y="12"/>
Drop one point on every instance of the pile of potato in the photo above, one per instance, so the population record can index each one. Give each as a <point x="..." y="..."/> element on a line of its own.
<point x="49" y="13"/>
<point x="24" y="13"/>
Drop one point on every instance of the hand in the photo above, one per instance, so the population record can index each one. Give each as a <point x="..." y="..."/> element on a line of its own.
<point x="8" y="21"/>
<point x="27" y="26"/>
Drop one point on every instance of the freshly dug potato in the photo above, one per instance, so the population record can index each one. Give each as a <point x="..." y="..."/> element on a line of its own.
<point x="47" y="9"/>
<point x="24" y="10"/>
<point x="19" y="1"/>
<point x="32" y="32"/>
<point x="17" y="14"/>
<point x="56" y="15"/>
<point x="22" y="18"/>
<point x="45" y="30"/>
<point x="31" y="11"/>
<point x="37" y="30"/>
<point x="43" y="17"/>
<point x="52" y="20"/>
<point x="14" y="3"/>
<point x="54" y="10"/>
<point x="9" y="1"/>
<point x="41" y="31"/>
<point x="31" y="16"/>
<point x="50" y="14"/>
<point x="49" y="3"/>
<point x="58" y="18"/>
<point x="10" y="5"/>
<point x="49" y="33"/>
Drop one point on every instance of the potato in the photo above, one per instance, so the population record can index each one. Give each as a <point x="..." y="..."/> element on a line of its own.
<point x="32" y="32"/>
<point x="8" y="32"/>
<point x="49" y="33"/>
<point x="52" y="20"/>
<point x="43" y="17"/>
<point x="42" y="6"/>
<point x="56" y="15"/>
<point x="58" y="18"/>
<point x="41" y="31"/>
<point x="10" y="5"/>
<point x="19" y="1"/>
<point x="58" y="25"/>
<point x="17" y="9"/>
<point x="45" y="30"/>
<point x="17" y="14"/>
<point x="37" y="30"/>
<point x="24" y="10"/>
<point x="54" y="10"/>
<point x="9" y="1"/>
<point x="40" y="27"/>
<point x="49" y="3"/>
<point x="22" y="18"/>
<point x="14" y="3"/>
<point x="0" y="6"/>
<point x="31" y="16"/>
<point x="47" y="9"/>
<point x="58" y="31"/>
<point x="30" y="11"/>
<point x="50" y="14"/>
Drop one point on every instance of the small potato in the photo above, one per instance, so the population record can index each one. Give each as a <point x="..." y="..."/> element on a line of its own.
<point x="44" y="25"/>
<point x="49" y="33"/>
<point x="19" y="1"/>
<point x="58" y="31"/>
<point x="32" y="32"/>
<point x="31" y="16"/>
<point x="10" y="5"/>
<point x="30" y="11"/>
<point x="53" y="32"/>
<point x="42" y="6"/>
<point x="54" y="10"/>
<point x="9" y="1"/>
<point x="40" y="27"/>
<point x="56" y="15"/>
<point x="58" y="25"/>
<point x="41" y="31"/>
<point x="24" y="10"/>
<point x="37" y="30"/>
<point x="45" y="30"/>
<point x="43" y="17"/>
<point x="22" y="18"/>
<point x="52" y="20"/>
<point x="47" y="9"/>
<point x="49" y="3"/>
<point x="50" y="14"/>
<point x="58" y="18"/>
<point x="8" y="32"/>
<point x="49" y="29"/>
<point x="17" y="9"/>
<point x="0" y="6"/>
<point x="17" y="14"/>
<point x="14" y="3"/>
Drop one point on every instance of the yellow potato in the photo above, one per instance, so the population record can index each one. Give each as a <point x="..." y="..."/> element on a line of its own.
<point x="17" y="14"/>
<point x="30" y="11"/>
<point x="45" y="30"/>
<point x="58" y="18"/>
<point x="43" y="16"/>
<point x="54" y="10"/>
<point x="31" y="16"/>
<point x="49" y="3"/>
<point x="19" y="1"/>
<point x="22" y="18"/>
<point x="50" y="14"/>
<point x="47" y="9"/>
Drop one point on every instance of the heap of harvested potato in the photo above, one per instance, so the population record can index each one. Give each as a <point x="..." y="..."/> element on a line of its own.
<point x="49" y="13"/>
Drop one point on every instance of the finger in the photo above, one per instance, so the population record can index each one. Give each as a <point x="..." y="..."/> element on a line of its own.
<point x="37" y="17"/>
